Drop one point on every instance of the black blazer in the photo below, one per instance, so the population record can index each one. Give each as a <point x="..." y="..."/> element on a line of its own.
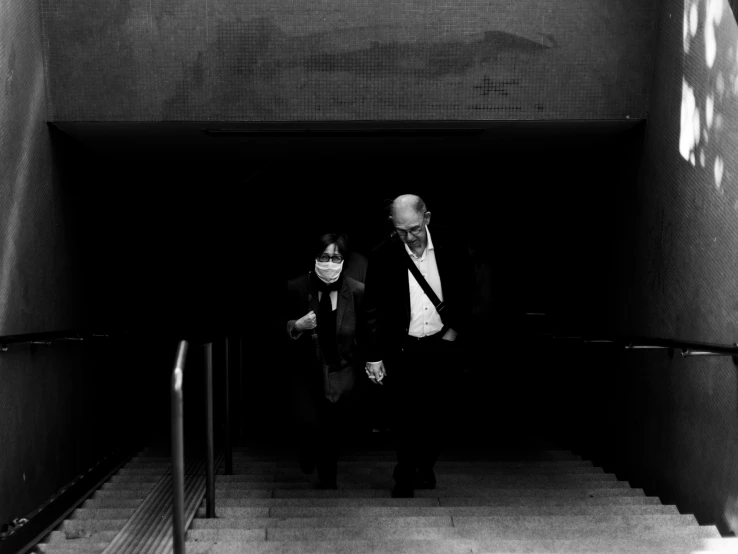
<point x="388" y="292"/>
<point x="302" y="296"/>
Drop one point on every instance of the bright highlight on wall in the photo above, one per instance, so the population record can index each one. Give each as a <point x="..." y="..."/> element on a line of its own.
<point x="709" y="84"/>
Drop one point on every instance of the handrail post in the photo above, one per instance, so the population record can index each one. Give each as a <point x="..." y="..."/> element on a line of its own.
<point x="241" y="403"/>
<point x="178" y="532"/>
<point x="227" y="442"/>
<point x="210" y="455"/>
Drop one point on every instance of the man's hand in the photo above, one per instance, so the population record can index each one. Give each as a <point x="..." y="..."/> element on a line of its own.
<point x="376" y="372"/>
<point x="449" y="335"/>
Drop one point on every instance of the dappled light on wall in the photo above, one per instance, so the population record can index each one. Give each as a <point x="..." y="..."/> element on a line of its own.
<point x="709" y="87"/>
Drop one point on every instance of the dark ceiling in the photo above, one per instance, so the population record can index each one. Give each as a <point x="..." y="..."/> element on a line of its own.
<point x="236" y="140"/>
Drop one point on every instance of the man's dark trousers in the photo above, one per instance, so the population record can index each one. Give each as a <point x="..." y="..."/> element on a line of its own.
<point x="418" y="384"/>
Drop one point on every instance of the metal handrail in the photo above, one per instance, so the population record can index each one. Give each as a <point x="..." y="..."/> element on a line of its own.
<point x="178" y="535"/>
<point x="210" y="454"/>
<point x="688" y="348"/>
<point x="45" y="339"/>
<point x="227" y="431"/>
<point x="178" y="530"/>
<point x="49" y="337"/>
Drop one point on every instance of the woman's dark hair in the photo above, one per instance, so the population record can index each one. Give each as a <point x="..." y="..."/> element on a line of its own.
<point x="340" y="240"/>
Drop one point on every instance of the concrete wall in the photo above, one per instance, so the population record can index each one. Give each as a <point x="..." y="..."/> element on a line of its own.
<point x="172" y="60"/>
<point x="37" y="251"/>
<point x="62" y="407"/>
<point x="671" y="425"/>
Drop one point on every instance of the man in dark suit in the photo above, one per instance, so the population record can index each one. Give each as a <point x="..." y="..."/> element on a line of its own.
<point x="412" y="347"/>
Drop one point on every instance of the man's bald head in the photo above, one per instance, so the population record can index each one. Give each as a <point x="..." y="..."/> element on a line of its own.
<point x="407" y="203"/>
<point x="410" y="219"/>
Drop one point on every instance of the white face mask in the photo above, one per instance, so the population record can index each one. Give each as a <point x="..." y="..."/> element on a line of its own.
<point x="328" y="272"/>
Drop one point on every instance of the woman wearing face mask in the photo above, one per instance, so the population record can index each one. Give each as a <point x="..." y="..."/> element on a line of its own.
<point x="327" y="301"/>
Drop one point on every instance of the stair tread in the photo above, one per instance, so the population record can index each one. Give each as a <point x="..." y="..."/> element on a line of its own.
<point x="385" y="500"/>
<point x="435" y="511"/>
<point x="610" y="520"/>
<point x="678" y="545"/>
<point x="385" y="482"/>
<point x="102" y="513"/>
<point x="308" y="492"/>
<point x="433" y="533"/>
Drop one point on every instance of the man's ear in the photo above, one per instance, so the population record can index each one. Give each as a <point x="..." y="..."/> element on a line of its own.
<point x="427" y="217"/>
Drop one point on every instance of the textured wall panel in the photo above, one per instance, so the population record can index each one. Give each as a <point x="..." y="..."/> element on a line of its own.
<point x="47" y="397"/>
<point x="151" y="60"/>
<point x="38" y="284"/>
<point x="682" y="269"/>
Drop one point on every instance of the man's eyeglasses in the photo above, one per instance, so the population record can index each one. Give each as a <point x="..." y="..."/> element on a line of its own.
<point x="403" y="233"/>
<point x="336" y="259"/>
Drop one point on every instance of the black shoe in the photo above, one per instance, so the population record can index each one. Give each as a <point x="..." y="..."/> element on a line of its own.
<point x="425" y="479"/>
<point x="402" y="491"/>
<point x="328" y="486"/>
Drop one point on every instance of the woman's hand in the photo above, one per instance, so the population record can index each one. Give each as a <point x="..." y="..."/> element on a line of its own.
<point x="306" y="322"/>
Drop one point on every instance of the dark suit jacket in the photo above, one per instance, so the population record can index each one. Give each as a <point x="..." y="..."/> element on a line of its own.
<point x="355" y="267"/>
<point x="388" y="292"/>
<point x="302" y="296"/>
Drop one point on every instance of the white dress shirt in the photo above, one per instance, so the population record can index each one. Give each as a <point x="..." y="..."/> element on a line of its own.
<point x="424" y="319"/>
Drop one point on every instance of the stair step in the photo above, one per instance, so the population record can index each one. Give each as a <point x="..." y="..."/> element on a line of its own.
<point x="159" y="472"/>
<point x="723" y="545"/>
<point x="74" y="535"/>
<point x="80" y="546"/>
<point x="460" y="491"/>
<point x="102" y="513"/>
<point x="420" y="502"/>
<point x="362" y="468"/>
<point x="382" y="488"/>
<point x="128" y="478"/>
<point x="445" y="483"/>
<point x="611" y="521"/>
<point x="73" y="527"/>
<point x="128" y="486"/>
<point x="363" y="473"/>
<point x="433" y="511"/>
<point x="149" y="464"/>
<point x="224" y="481"/>
<point x="679" y="545"/>
<point x="111" y="502"/>
<point x="448" y="533"/>
<point x="389" y="462"/>
<point x="533" y="500"/>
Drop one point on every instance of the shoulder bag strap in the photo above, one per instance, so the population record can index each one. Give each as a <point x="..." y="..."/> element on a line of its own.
<point x="424" y="284"/>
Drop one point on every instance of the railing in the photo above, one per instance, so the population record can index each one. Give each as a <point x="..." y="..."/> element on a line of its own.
<point x="7" y="342"/>
<point x="177" y="427"/>
<point x="47" y="339"/>
<point x="687" y="348"/>
<point x="178" y="449"/>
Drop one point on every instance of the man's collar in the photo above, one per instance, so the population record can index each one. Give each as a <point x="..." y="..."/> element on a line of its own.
<point x="430" y="240"/>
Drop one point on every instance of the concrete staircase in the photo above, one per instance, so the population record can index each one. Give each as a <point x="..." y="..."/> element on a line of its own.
<point x="94" y="525"/>
<point x="486" y="501"/>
